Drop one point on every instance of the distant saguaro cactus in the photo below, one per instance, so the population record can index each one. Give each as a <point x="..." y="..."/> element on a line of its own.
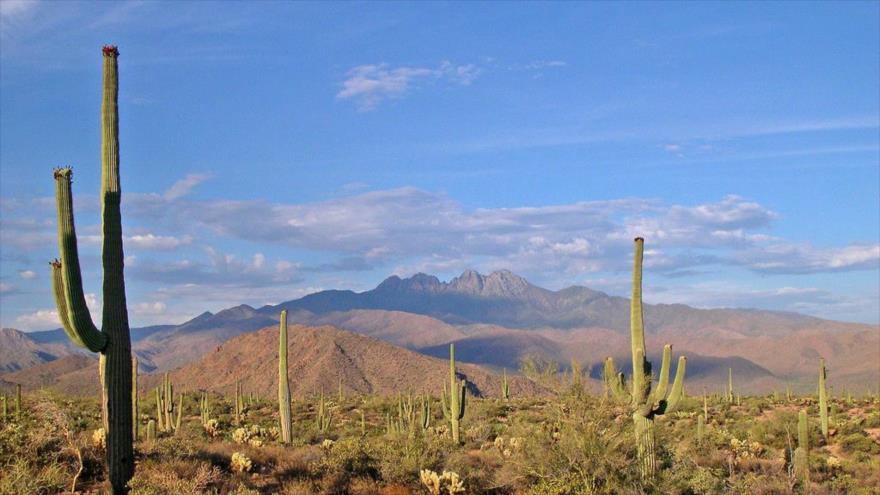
<point x="730" y="385"/>
<point x="113" y="341"/>
<point x="454" y="405"/>
<point x="823" y="398"/>
<point x="18" y="402"/>
<point x="134" y="398"/>
<point x="802" y="453"/>
<point x="283" y="383"/>
<point x="505" y="387"/>
<point x="645" y="404"/>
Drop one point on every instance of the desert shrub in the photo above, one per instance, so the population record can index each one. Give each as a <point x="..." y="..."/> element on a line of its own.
<point x="400" y="460"/>
<point x="182" y="477"/>
<point x="352" y="456"/>
<point x="859" y="442"/>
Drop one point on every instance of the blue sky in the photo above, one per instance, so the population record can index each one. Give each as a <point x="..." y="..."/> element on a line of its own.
<point x="273" y="149"/>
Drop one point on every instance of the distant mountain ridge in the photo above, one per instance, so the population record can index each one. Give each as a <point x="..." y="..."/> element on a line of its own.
<point x="499" y="318"/>
<point x="506" y="299"/>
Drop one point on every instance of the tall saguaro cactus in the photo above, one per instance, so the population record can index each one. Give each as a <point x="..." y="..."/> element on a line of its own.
<point x="113" y="341"/>
<point x="283" y="383"/>
<point x="645" y="403"/>
<point x="730" y="385"/>
<point x="823" y="398"/>
<point x="134" y="398"/>
<point x="802" y="453"/>
<point x="453" y="406"/>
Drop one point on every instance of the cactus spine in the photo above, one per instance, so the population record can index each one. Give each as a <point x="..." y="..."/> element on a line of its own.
<point x="823" y="398"/>
<point x="283" y="383"/>
<point x="505" y="387"/>
<point x="113" y="341"/>
<point x="645" y="404"/>
<point x="134" y="398"/>
<point x="802" y="453"/>
<point x="454" y="405"/>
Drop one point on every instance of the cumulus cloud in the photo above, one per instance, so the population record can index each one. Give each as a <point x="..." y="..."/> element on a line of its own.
<point x="183" y="186"/>
<point x="42" y="319"/>
<point x="803" y="258"/>
<point x="370" y="84"/>
<point x="27" y="274"/>
<point x="216" y="269"/>
<point x="374" y="227"/>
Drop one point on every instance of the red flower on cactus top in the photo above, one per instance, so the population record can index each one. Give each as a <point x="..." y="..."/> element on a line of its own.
<point x="110" y="51"/>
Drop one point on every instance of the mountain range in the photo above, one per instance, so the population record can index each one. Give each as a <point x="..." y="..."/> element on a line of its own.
<point x="499" y="318"/>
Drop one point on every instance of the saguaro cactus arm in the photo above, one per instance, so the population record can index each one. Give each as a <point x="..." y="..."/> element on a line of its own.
<point x="77" y="318"/>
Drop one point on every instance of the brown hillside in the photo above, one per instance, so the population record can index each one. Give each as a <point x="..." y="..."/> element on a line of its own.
<point x="319" y="357"/>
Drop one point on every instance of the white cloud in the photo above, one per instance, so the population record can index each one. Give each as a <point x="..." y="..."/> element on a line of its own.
<point x="803" y="258"/>
<point x="157" y="242"/>
<point x="149" y="308"/>
<point x="27" y="274"/>
<point x="218" y="269"/>
<point x="370" y="84"/>
<point x="183" y="186"/>
<point x="6" y="288"/>
<point x="42" y="319"/>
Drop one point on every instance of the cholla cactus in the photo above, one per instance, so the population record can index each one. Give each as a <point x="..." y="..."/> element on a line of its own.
<point x="99" y="439"/>
<point x="645" y="404"/>
<point x="240" y="435"/>
<point x="212" y="427"/>
<point x="431" y="480"/>
<point x="437" y="484"/>
<point x="240" y="463"/>
<point x="327" y="444"/>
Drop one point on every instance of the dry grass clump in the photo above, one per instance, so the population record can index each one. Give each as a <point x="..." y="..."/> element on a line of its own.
<point x="571" y="444"/>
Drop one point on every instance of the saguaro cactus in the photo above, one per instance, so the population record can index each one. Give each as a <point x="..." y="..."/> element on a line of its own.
<point x="113" y="341"/>
<point x="645" y="404"/>
<point x="802" y="453"/>
<point x="505" y="387"/>
<point x="18" y="402"/>
<point x="134" y="398"/>
<point x="701" y="426"/>
<point x="323" y="416"/>
<point x="283" y="383"/>
<point x="823" y="398"/>
<point x="168" y="402"/>
<point x="730" y="385"/>
<point x="151" y="431"/>
<point x="453" y="406"/>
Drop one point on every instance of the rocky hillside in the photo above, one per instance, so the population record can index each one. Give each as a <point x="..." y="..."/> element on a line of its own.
<point x="319" y="358"/>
